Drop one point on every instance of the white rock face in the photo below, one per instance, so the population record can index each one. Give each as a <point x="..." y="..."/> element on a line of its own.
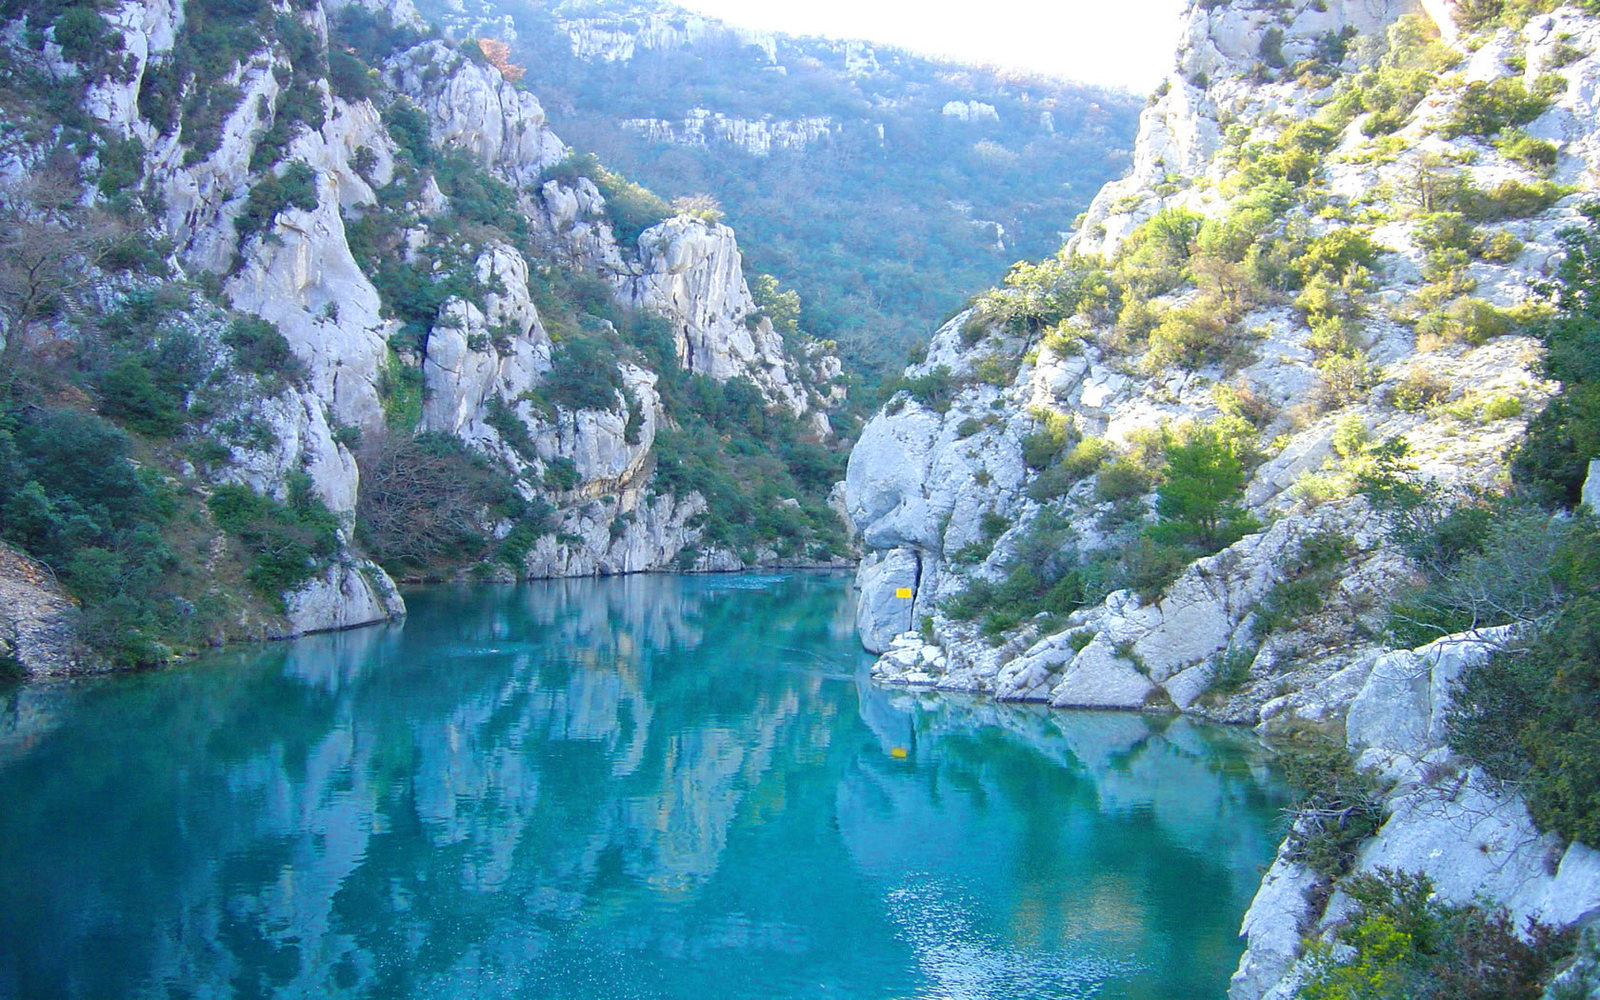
<point x="465" y="368"/>
<point x="1591" y="485"/>
<point x="307" y="283"/>
<point x="652" y="534"/>
<point x="147" y="27"/>
<point x="758" y="137"/>
<point x="351" y="592"/>
<point x="690" y="270"/>
<point x="970" y="111"/>
<point x="881" y="612"/>
<point x="472" y="108"/>
<point x="1272" y="928"/>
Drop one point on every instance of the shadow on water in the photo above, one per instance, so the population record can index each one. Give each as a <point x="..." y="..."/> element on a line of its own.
<point x="646" y="786"/>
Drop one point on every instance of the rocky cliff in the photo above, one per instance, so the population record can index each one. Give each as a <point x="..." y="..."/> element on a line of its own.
<point x="359" y="237"/>
<point x="1139" y="475"/>
<point x="885" y="158"/>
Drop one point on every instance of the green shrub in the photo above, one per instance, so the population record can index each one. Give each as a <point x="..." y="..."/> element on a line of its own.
<point x="1417" y="390"/>
<point x="583" y="375"/>
<point x="296" y="187"/>
<point x="1532" y="714"/>
<point x="561" y="474"/>
<point x="1232" y="670"/>
<point x="1510" y="199"/>
<point x="1189" y="337"/>
<point x="935" y="390"/>
<point x="132" y="395"/>
<point x="1467" y="320"/>
<point x="400" y="393"/>
<point x="1487" y="108"/>
<point x="1079" y="462"/>
<point x="1336" y="806"/>
<point x="1552" y="461"/>
<point x="1121" y="479"/>
<point x="1199" y="500"/>
<point x="408" y="126"/>
<point x="82" y="35"/>
<point x="259" y="347"/>
<point x="1041" y="446"/>
<point x="1520" y="147"/>
<point x="289" y="543"/>
<point x="349" y="76"/>
<point x="1401" y="939"/>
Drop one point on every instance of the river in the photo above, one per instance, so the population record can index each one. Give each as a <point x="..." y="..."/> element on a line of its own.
<point x="653" y="787"/>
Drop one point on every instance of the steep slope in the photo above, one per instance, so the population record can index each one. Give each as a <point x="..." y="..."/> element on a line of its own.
<point x="1247" y="434"/>
<point x="882" y="186"/>
<point x="306" y="286"/>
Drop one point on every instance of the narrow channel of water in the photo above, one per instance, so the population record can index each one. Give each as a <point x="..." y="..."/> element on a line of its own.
<point x="646" y="787"/>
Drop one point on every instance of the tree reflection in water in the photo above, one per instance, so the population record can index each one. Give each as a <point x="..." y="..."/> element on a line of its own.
<point x="639" y="787"/>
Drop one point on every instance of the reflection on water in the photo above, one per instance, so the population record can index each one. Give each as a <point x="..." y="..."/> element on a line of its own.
<point x="648" y="787"/>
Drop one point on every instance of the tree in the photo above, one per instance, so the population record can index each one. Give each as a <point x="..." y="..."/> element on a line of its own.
<point x="1552" y="462"/>
<point x="1199" y="500"/>
<point x="499" y="55"/>
<point x="780" y="305"/>
<point x="50" y="248"/>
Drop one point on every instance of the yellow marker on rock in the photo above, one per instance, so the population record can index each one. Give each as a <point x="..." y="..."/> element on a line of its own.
<point x="903" y="592"/>
<point x="898" y="753"/>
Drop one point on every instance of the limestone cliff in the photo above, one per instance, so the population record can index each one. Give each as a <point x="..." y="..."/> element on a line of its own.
<point x="1027" y="446"/>
<point x="386" y="202"/>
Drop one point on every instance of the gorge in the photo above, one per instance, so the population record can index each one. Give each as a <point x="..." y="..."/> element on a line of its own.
<point x="301" y="299"/>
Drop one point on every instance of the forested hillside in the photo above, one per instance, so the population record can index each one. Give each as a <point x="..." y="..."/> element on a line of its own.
<point x="300" y="299"/>
<point x="882" y="186"/>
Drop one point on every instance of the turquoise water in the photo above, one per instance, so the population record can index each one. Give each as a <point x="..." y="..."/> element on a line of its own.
<point x="650" y="787"/>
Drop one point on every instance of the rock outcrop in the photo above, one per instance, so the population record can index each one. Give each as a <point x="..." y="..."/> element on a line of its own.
<point x="757" y="137"/>
<point x="291" y="192"/>
<point x="946" y="501"/>
<point x="38" y="620"/>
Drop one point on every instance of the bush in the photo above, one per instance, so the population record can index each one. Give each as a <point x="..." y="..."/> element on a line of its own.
<point x="583" y="375"/>
<point x="132" y="395"/>
<point x="349" y="76"/>
<point x="1520" y="147"/>
<point x="1467" y="320"/>
<point x="82" y="35"/>
<point x="1486" y="108"/>
<point x="1336" y="806"/>
<point x="1552" y="461"/>
<point x="1417" y="390"/>
<point x="296" y="187"/>
<point x="260" y="348"/>
<point x="1532" y="714"/>
<point x="1510" y="199"/>
<point x="400" y="393"/>
<point x="1080" y="462"/>
<point x="1199" y="500"/>
<point x="1043" y="445"/>
<point x="429" y="501"/>
<point x="1121" y="479"/>
<point x="289" y="543"/>
<point x="935" y="390"/>
<point x="1400" y="939"/>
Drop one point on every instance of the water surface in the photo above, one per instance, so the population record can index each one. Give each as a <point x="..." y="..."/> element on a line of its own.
<point x="649" y="787"/>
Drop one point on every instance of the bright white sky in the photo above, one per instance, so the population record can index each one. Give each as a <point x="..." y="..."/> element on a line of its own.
<point x="1117" y="43"/>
